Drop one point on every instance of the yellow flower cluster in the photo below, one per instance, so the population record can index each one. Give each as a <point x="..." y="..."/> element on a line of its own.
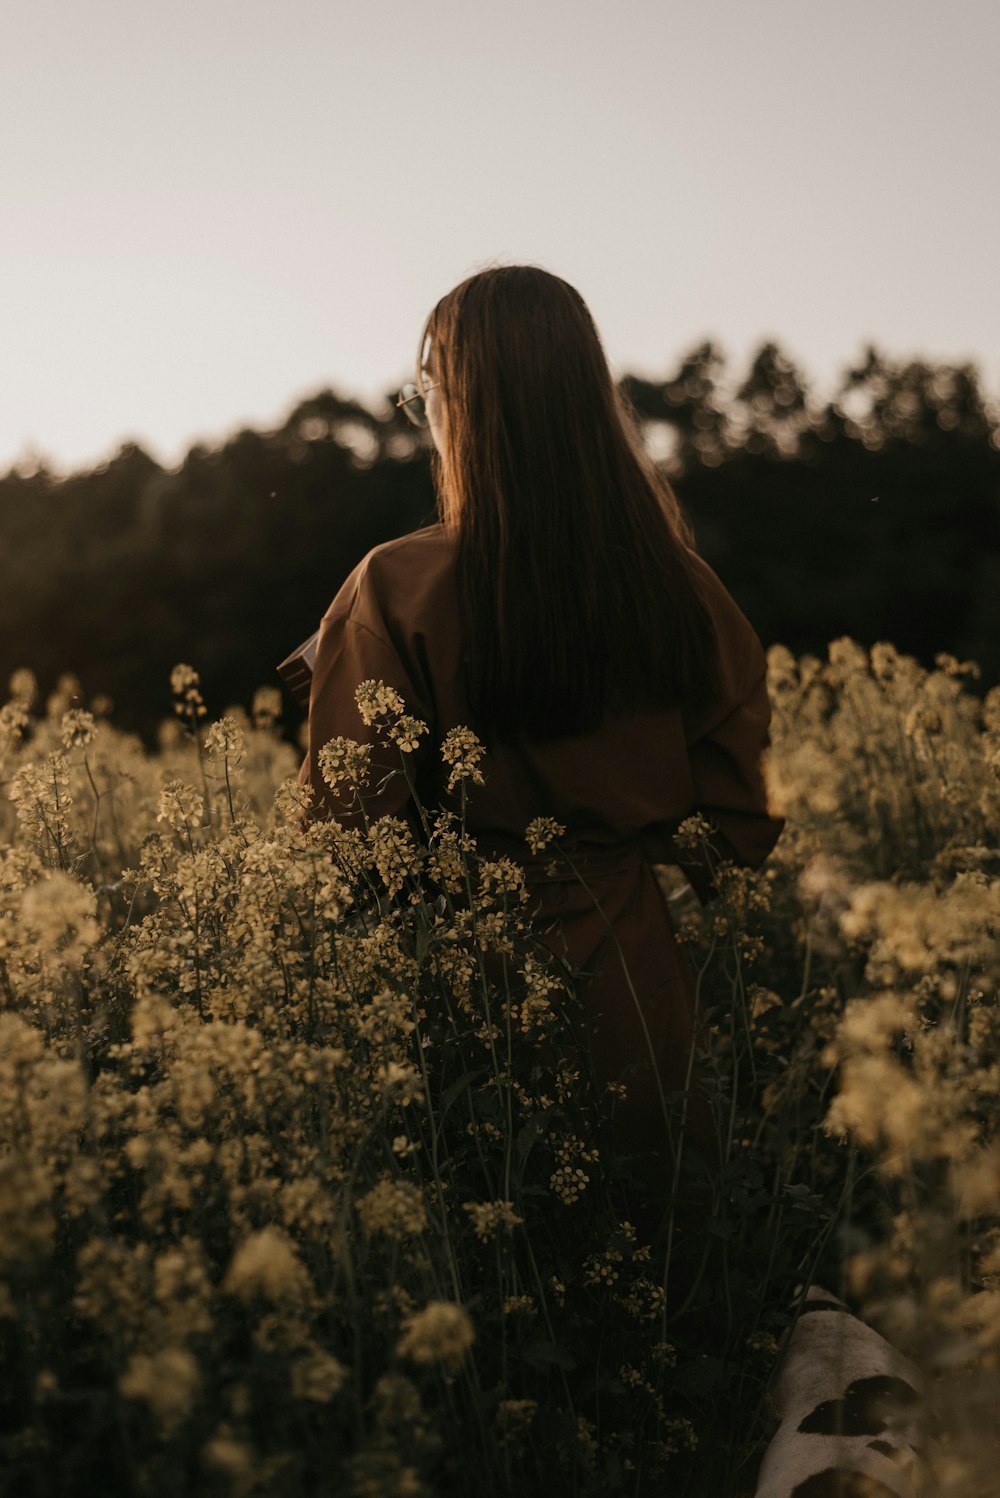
<point x="489" y="1217"/>
<point x="185" y="683"/>
<point x="393" y="1207"/>
<point x="345" y="761"/>
<point x="376" y="700"/>
<point x="462" y="750"/>
<point x="440" y="1333"/>
<point x="541" y="832"/>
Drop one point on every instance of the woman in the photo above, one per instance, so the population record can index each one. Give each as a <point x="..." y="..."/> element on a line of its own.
<point x="559" y="609"/>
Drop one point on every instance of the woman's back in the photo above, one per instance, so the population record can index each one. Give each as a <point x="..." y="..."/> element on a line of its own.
<point x="397" y="619"/>
<point x="619" y="790"/>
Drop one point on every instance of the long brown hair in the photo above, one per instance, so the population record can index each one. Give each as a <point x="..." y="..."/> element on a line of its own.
<point x="575" y="581"/>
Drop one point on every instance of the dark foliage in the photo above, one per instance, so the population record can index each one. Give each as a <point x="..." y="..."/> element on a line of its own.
<point x="876" y="515"/>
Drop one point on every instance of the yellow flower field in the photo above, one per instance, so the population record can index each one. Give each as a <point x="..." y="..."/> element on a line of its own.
<point x="304" y="1189"/>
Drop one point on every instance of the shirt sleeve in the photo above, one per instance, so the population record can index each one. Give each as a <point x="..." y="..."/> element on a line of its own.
<point x="350" y="651"/>
<point x="728" y="786"/>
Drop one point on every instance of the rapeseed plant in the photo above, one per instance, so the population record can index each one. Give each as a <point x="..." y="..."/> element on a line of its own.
<point x="307" y="1187"/>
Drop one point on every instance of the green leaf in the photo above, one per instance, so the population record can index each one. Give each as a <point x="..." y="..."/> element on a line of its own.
<point x="456" y="1088"/>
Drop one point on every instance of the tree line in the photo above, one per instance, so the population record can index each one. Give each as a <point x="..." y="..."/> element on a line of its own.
<point x="875" y="514"/>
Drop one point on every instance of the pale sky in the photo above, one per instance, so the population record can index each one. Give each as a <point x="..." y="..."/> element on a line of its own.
<point x="211" y="208"/>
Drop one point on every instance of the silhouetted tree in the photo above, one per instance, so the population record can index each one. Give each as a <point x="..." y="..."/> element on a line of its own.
<point x="876" y="514"/>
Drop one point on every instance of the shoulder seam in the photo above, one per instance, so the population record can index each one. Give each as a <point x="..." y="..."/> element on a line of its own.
<point x="358" y="624"/>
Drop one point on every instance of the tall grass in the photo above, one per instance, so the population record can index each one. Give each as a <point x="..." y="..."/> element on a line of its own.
<point x="307" y="1187"/>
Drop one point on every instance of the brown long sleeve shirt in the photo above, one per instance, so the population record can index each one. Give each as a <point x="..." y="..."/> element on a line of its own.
<point x="620" y="791"/>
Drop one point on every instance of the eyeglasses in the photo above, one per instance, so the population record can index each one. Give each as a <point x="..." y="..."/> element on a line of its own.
<point x="412" y="404"/>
